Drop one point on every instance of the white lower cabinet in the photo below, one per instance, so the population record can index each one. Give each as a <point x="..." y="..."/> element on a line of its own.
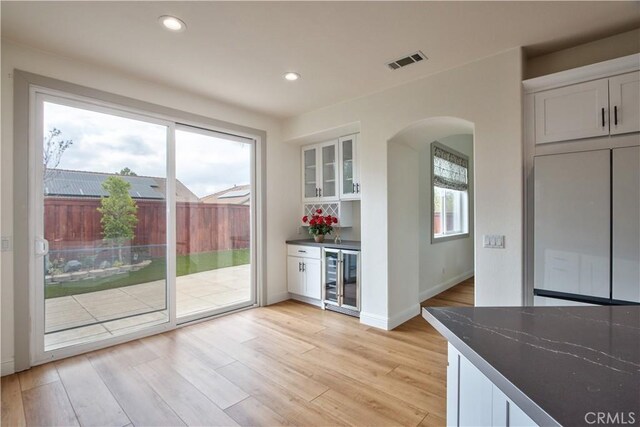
<point x="304" y="274"/>
<point x="312" y="278"/>
<point x="295" y="277"/>
<point x="506" y="413"/>
<point x="473" y="400"/>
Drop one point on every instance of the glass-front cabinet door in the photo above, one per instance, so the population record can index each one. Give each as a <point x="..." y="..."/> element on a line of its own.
<point x="329" y="188"/>
<point x="349" y="184"/>
<point x="310" y="188"/>
<point x="350" y="273"/>
<point x="331" y="276"/>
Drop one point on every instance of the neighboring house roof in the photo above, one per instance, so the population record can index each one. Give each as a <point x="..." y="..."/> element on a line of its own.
<point x="71" y="183"/>
<point x="236" y="195"/>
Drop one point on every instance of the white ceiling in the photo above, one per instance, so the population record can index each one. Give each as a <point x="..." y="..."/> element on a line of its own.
<point x="237" y="51"/>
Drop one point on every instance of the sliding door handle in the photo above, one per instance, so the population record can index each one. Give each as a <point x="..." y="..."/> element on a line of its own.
<point x="41" y="247"/>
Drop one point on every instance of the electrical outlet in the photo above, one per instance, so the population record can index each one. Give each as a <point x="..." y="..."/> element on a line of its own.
<point x="493" y="241"/>
<point x="5" y="244"/>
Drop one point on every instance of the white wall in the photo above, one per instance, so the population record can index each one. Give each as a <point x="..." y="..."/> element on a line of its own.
<point x="443" y="264"/>
<point x="404" y="246"/>
<point x="616" y="46"/>
<point x="282" y="159"/>
<point x="486" y="93"/>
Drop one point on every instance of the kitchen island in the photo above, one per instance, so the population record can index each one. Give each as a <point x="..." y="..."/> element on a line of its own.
<point x="541" y="365"/>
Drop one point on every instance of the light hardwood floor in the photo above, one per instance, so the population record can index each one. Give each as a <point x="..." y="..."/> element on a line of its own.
<point x="287" y="364"/>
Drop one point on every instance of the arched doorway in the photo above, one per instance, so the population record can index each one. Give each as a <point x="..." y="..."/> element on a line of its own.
<point x="431" y="221"/>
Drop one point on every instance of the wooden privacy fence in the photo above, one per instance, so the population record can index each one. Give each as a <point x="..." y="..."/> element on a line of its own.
<point x="74" y="223"/>
<point x="437" y="224"/>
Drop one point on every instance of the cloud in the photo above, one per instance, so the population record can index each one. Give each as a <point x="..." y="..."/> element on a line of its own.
<point x="108" y="143"/>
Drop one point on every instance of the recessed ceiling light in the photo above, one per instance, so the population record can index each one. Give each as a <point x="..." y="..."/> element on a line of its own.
<point x="172" y="23"/>
<point x="291" y="76"/>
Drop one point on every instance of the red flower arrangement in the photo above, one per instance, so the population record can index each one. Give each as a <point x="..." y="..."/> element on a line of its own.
<point x="320" y="225"/>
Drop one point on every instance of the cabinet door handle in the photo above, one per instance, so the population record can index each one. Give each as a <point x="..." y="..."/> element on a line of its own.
<point x="354" y="187"/>
<point x="320" y="191"/>
<point x="299" y="266"/>
<point x="358" y="188"/>
<point x="602" y="116"/>
<point x="316" y="192"/>
<point x="304" y="267"/>
<point x="615" y="115"/>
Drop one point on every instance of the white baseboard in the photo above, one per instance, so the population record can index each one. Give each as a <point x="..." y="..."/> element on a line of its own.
<point x="389" y="323"/>
<point x="307" y="300"/>
<point x="276" y="298"/>
<point x="7" y="367"/>
<point x="374" y="320"/>
<point x="403" y="316"/>
<point x="441" y="287"/>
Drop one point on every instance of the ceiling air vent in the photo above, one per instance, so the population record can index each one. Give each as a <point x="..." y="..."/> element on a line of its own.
<point x="408" y="60"/>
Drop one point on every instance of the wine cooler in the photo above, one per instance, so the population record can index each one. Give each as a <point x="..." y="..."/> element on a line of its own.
<point x="341" y="281"/>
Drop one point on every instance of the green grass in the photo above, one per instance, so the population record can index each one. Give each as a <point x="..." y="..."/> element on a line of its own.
<point x="185" y="264"/>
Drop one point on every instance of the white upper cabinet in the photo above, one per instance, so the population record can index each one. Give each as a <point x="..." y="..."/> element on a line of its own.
<point x="330" y="170"/>
<point x="572" y="112"/>
<point x="310" y="181"/>
<point x="350" y="181"/>
<point x="595" y="101"/>
<point x="624" y="95"/>
<point x="320" y="172"/>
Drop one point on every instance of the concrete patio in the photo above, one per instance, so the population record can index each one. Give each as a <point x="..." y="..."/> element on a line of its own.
<point x="102" y="314"/>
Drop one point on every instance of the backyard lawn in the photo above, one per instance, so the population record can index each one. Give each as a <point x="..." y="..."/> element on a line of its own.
<point x="185" y="264"/>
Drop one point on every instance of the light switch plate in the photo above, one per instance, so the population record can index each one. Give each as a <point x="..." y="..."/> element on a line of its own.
<point x="5" y="244"/>
<point x="493" y="241"/>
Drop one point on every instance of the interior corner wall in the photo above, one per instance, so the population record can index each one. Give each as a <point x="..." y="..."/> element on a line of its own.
<point x="443" y="264"/>
<point x="281" y="160"/>
<point x="488" y="94"/>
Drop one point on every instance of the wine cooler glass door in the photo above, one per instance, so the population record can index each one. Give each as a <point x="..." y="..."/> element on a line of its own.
<point x="350" y="279"/>
<point x="330" y="276"/>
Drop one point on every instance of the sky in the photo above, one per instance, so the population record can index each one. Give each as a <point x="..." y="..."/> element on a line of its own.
<point x="108" y="143"/>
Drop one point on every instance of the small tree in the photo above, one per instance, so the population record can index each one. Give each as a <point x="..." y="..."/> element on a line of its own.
<point x="52" y="150"/>
<point x="118" y="213"/>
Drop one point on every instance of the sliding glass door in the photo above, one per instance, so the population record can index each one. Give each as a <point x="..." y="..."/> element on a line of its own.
<point x="138" y="224"/>
<point x="213" y="222"/>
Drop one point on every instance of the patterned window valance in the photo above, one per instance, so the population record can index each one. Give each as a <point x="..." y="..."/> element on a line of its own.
<point x="450" y="170"/>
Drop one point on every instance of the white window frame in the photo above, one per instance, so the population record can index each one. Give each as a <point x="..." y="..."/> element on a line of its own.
<point x="37" y="96"/>
<point x="464" y="202"/>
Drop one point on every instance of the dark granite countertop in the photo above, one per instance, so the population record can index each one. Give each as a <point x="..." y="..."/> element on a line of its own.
<point x="328" y="243"/>
<point x="555" y="363"/>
